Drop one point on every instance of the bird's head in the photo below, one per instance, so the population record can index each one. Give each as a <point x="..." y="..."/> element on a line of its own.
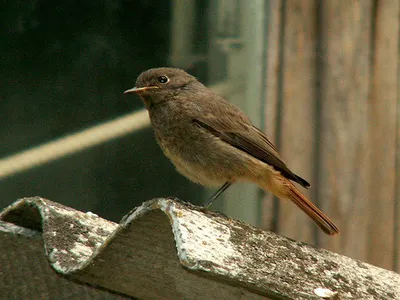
<point x="161" y="84"/>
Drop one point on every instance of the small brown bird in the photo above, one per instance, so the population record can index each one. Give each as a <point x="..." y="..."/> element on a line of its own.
<point x="213" y="143"/>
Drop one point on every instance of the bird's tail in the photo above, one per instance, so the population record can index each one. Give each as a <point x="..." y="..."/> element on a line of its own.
<point x="312" y="211"/>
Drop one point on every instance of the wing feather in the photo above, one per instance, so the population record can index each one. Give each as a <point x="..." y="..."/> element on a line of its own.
<point x="249" y="139"/>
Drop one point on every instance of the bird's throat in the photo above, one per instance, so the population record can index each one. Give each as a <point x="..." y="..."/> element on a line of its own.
<point x="147" y="100"/>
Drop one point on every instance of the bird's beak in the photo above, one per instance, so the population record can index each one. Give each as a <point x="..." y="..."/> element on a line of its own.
<point x="141" y="89"/>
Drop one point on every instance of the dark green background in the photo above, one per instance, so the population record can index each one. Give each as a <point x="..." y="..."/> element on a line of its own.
<point x="64" y="67"/>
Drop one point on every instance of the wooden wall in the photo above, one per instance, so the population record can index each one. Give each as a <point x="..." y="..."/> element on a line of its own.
<point x="333" y="109"/>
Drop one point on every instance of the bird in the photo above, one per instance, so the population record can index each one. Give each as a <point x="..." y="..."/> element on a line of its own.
<point x="213" y="143"/>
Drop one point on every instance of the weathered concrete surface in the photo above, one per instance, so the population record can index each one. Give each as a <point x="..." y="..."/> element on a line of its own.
<point x="168" y="249"/>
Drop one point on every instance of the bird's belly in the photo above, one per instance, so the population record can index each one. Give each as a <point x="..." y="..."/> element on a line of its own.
<point x="195" y="168"/>
<point x="209" y="161"/>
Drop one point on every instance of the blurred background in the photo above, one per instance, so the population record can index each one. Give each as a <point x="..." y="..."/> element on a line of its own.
<point x="320" y="77"/>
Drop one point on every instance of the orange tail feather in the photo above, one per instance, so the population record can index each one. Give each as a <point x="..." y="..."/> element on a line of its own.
<point x="312" y="211"/>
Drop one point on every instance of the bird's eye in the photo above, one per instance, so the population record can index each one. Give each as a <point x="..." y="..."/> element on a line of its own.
<point x="163" y="79"/>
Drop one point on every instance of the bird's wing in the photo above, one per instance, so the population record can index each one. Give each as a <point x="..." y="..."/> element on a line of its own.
<point x="249" y="139"/>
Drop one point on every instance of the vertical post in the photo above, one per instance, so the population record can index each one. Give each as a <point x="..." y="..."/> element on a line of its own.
<point x="345" y="146"/>
<point x="183" y="25"/>
<point x="297" y="127"/>
<point x="383" y="121"/>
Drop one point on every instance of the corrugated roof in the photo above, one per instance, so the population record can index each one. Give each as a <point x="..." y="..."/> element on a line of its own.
<point x="167" y="249"/>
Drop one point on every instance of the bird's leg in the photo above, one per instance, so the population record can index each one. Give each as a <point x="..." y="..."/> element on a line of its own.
<point x="217" y="194"/>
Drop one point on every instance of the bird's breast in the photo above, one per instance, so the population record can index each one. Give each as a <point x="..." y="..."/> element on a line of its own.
<point x="187" y="146"/>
